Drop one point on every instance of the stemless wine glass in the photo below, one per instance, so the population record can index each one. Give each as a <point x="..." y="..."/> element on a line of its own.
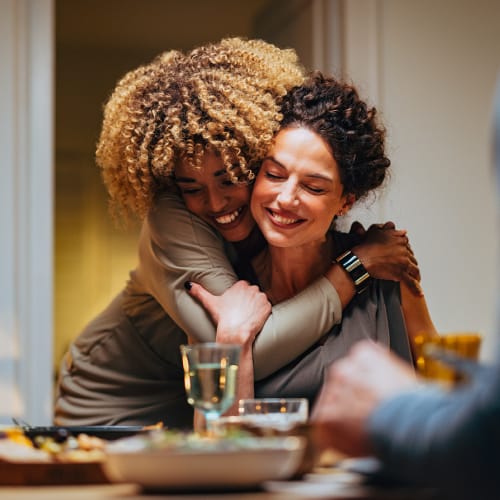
<point x="210" y="377"/>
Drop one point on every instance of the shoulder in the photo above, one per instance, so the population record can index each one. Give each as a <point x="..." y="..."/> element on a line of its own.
<point x="343" y="241"/>
<point x="169" y="221"/>
<point x="168" y="209"/>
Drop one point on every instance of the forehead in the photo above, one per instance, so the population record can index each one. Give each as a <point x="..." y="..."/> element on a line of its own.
<point x="211" y="165"/>
<point x="300" y="147"/>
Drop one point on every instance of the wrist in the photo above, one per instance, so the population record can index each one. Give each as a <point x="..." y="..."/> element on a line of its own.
<point x="340" y="280"/>
<point x="356" y="270"/>
<point x="241" y="336"/>
<point x="363" y="254"/>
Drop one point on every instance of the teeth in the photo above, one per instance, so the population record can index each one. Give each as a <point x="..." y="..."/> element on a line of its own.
<point x="283" y="220"/>
<point x="228" y="218"/>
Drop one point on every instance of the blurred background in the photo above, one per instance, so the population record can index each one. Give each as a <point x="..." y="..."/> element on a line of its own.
<point x="428" y="66"/>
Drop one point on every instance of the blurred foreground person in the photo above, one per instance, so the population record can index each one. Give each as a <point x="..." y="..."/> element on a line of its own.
<point x="373" y="404"/>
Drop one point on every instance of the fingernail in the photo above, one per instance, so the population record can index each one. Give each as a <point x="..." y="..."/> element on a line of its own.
<point x="188" y="285"/>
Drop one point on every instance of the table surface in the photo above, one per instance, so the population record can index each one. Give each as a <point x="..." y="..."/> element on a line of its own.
<point x="320" y="484"/>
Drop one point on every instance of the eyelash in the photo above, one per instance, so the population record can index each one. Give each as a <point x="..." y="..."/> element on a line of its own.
<point x="190" y="191"/>
<point x="193" y="191"/>
<point x="312" y="190"/>
<point x="316" y="190"/>
<point x="272" y="176"/>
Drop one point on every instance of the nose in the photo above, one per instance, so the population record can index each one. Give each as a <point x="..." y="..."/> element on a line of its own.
<point x="288" y="195"/>
<point x="216" y="200"/>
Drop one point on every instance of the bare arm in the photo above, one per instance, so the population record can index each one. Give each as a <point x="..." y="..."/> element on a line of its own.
<point x="391" y="258"/>
<point x="417" y="317"/>
<point x="176" y="246"/>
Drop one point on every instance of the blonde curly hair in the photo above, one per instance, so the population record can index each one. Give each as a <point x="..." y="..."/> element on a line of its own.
<point x="223" y="97"/>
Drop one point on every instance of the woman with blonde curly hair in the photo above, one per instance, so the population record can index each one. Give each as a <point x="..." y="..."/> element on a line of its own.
<point x="199" y="124"/>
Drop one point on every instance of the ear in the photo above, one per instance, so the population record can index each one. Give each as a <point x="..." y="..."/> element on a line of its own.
<point x="348" y="203"/>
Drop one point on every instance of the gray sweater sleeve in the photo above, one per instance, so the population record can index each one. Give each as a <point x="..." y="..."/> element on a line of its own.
<point x="176" y="246"/>
<point x="450" y="440"/>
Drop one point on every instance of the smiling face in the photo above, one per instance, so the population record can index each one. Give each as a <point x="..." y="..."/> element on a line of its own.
<point x="298" y="190"/>
<point x="210" y="194"/>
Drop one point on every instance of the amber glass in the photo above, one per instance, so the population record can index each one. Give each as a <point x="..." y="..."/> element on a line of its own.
<point x="463" y="344"/>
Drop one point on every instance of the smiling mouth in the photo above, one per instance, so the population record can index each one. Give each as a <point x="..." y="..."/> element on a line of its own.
<point x="228" y="218"/>
<point x="280" y="219"/>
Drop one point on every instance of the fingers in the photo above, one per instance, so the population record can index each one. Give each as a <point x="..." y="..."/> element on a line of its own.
<point x="357" y="228"/>
<point x="206" y="299"/>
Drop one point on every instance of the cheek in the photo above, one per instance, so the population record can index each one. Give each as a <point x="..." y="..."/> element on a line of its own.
<point x="257" y="195"/>
<point x="263" y="189"/>
<point x="192" y="204"/>
<point x="244" y="194"/>
<point x="324" y="215"/>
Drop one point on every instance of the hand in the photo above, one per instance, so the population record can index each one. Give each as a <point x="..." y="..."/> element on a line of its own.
<point x="239" y="313"/>
<point x="354" y="387"/>
<point x="386" y="254"/>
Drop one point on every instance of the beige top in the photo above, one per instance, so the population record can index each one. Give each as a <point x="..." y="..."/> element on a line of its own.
<point x="124" y="368"/>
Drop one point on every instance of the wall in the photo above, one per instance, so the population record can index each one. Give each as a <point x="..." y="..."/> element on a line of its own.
<point x="439" y="62"/>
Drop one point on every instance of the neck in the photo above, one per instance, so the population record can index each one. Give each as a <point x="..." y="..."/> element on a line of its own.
<point x="284" y="272"/>
<point x="251" y="246"/>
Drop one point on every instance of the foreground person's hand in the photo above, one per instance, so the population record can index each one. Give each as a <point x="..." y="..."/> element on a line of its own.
<point x="354" y="387"/>
<point x="386" y="254"/>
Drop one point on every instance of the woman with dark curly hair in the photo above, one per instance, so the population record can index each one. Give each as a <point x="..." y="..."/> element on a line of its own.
<point x="213" y="112"/>
<point x="328" y="154"/>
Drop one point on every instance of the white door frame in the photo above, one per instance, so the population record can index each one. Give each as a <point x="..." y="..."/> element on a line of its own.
<point x="26" y="209"/>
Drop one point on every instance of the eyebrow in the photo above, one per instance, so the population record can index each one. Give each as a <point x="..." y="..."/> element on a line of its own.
<point x="314" y="176"/>
<point x="191" y="180"/>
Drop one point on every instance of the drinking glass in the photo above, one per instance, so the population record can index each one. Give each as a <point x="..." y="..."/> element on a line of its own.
<point x="462" y="344"/>
<point x="278" y="413"/>
<point x="210" y="377"/>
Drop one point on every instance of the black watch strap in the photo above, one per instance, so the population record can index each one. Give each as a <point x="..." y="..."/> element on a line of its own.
<point x="356" y="270"/>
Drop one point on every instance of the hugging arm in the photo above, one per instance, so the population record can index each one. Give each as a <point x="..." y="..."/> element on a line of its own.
<point x="176" y="246"/>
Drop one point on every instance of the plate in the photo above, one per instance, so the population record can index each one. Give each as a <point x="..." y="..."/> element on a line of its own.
<point x="108" y="432"/>
<point x="224" y="466"/>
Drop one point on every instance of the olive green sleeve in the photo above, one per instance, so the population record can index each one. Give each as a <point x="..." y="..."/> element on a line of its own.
<point x="176" y="246"/>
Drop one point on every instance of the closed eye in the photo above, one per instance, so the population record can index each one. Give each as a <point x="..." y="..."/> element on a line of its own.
<point x="315" y="190"/>
<point x="270" y="175"/>
<point x="190" y="190"/>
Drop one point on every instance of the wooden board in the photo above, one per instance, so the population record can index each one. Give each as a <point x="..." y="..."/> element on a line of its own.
<point x="34" y="474"/>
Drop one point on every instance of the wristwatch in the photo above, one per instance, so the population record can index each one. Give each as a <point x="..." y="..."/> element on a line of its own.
<point x="356" y="270"/>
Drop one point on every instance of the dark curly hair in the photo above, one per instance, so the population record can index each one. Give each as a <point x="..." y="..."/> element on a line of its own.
<point x="334" y="110"/>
